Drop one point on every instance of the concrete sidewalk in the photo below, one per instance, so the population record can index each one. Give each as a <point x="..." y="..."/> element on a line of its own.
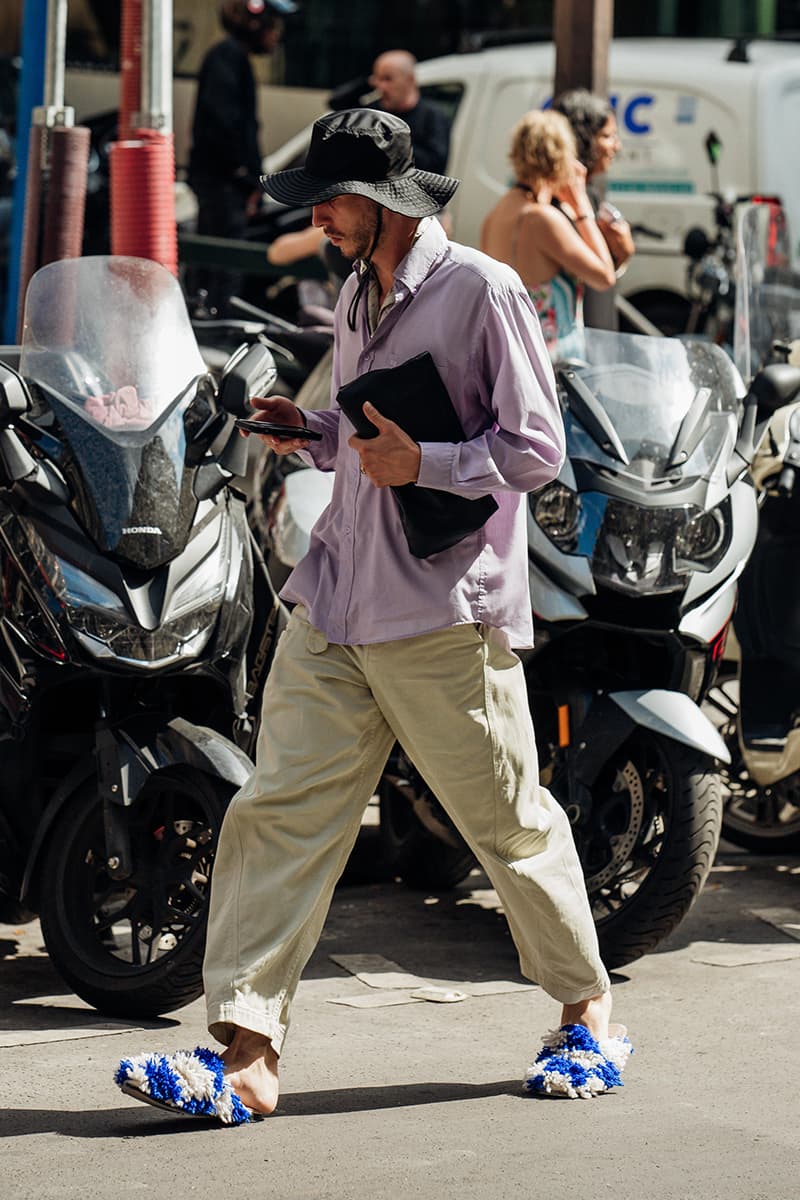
<point x="419" y="1099"/>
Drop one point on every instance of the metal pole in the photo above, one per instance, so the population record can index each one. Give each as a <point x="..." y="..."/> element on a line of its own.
<point x="55" y="52"/>
<point x="156" y="66"/>
<point x="31" y="91"/>
<point x="53" y="112"/>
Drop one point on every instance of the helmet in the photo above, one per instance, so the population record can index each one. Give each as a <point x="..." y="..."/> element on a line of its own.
<point x="247" y="19"/>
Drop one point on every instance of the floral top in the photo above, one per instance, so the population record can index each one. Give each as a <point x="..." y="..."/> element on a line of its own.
<point x="559" y="304"/>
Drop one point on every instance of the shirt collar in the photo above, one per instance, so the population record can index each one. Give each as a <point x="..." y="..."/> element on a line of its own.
<point x="426" y="251"/>
<point x="427" y="248"/>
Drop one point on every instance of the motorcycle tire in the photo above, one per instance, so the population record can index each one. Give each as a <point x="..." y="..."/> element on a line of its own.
<point x="409" y="848"/>
<point x="648" y="843"/>
<point x="763" y="820"/>
<point x="134" y="947"/>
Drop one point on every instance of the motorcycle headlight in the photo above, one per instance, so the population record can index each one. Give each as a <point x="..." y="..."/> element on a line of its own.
<point x="700" y="541"/>
<point x="204" y="586"/>
<point x="557" y="511"/>
<point x="633" y="547"/>
<point x="106" y="637"/>
<point x="656" y="549"/>
<point x="103" y="625"/>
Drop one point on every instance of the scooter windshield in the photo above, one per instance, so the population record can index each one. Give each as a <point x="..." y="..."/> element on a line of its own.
<point x="109" y="340"/>
<point x="650" y="408"/>
<point x="767" y="293"/>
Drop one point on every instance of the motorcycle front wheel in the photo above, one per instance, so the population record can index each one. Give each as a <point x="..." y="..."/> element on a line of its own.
<point x="134" y="946"/>
<point x="648" y="842"/>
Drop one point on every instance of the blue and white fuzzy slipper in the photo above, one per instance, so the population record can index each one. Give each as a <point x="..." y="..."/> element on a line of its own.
<point x="574" y="1064"/>
<point x="189" y="1082"/>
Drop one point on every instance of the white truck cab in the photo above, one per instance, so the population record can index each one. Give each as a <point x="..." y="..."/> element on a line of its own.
<point x="668" y="94"/>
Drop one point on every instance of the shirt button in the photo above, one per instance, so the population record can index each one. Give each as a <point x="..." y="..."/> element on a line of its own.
<point x="347" y="529"/>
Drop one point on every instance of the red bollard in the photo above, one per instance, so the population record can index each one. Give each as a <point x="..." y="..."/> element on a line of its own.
<point x="143" y="198"/>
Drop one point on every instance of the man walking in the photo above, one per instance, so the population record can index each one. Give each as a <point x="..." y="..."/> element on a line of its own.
<point x="383" y="646"/>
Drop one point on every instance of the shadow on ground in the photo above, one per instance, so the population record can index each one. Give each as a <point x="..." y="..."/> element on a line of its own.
<point x="108" y="1123"/>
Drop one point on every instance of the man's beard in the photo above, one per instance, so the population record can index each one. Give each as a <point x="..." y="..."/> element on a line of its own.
<point x="358" y="243"/>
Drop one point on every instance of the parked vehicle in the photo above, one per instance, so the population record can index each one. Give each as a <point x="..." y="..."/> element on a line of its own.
<point x="634" y="555"/>
<point x="130" y="660"/>
<point x="757" y="701"/>
<point x="712" y="269"/>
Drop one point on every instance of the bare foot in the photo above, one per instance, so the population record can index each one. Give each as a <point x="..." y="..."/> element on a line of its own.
<point x="594" y="1013"/>
<point x="251" y="1068"/>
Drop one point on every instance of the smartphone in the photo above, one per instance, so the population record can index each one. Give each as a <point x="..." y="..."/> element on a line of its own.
<point x="252" y="425"/>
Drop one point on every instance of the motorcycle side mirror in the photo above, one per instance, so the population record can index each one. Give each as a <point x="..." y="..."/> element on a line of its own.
<point x="250" y="371"/>
<point x="212" y="475"/>
<point x="774" y="386"/>
<point x="15" y="399"/>
<point x="696" y="244"/>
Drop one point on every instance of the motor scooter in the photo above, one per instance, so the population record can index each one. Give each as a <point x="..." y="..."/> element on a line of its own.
<point x="757" y="700"/>
<point x="136" y="627"/>
<point x="714" y="261"/>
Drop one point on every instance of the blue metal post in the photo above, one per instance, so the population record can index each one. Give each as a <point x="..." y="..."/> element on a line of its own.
<point x="31" y="95"/>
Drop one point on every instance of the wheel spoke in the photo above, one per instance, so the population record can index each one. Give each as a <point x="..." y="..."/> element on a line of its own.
<point x="123" y="914"/>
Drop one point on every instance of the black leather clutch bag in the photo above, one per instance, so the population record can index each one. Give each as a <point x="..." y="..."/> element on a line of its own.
<point x="415" y="398"/>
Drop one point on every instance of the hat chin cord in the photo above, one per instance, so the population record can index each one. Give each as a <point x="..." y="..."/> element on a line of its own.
<point x="363" y="282"/>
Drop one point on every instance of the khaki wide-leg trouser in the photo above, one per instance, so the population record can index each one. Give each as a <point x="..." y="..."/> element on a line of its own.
<point x="456" y="701"/>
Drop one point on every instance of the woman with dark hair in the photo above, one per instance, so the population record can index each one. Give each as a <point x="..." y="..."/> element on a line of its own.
<point x="595" y="128"/>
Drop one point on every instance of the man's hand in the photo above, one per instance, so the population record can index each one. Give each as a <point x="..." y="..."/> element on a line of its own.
<point x="392" y="458"/>
<point x="284" y="412"/>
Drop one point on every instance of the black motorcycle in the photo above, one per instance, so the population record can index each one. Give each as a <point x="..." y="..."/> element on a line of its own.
<point x="130" y="659"/>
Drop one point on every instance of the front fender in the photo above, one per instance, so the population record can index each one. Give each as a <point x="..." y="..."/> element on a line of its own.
<point x="674" y="715"/>
<point x="151" y="747"/>
<point x="182" y="742"/>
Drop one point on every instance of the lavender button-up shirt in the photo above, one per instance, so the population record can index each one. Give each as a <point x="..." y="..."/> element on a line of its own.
<point x="358" y="580"/>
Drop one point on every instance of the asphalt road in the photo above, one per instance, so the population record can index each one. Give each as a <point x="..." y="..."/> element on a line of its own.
<point x="423" y="1099"/>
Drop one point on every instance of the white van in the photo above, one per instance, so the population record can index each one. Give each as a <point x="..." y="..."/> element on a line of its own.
<point x="668" y="96"/>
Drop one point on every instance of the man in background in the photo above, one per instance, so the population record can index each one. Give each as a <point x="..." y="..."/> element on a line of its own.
<point x="225" y="159"/>
<point x="394" y="76"/>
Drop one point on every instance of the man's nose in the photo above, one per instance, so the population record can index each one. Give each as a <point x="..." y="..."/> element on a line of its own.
<point x="318" y="215"/>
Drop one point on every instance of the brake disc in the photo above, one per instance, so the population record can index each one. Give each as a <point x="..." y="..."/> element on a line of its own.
<point x="628" y="780"/>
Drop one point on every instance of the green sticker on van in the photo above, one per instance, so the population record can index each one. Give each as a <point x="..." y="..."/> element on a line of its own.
<point x="651" y="185"/>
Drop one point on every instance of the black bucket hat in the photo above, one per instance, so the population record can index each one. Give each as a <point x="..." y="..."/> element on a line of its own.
<point x="362" y="152"/>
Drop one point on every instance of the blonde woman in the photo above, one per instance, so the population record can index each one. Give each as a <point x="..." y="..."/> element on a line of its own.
<point x="545" y="228"/>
